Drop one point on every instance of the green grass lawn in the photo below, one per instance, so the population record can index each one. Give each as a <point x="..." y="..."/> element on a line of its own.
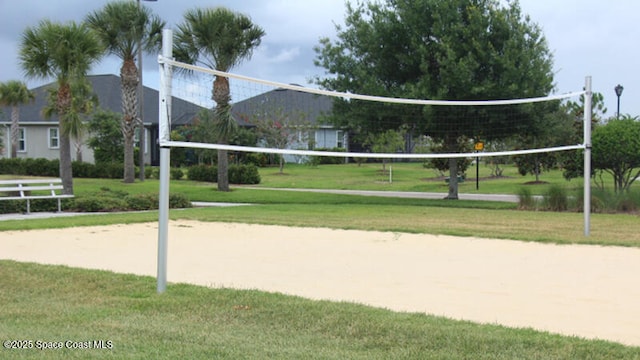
<point x="405" y="177"/>
<point x="463" y="218"/>
<point x="60" y="304"/>
<point x="53" y="303"/>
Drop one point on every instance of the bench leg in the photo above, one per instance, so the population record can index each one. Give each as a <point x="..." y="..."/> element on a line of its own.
<point x="28" y="207"/>
<point x="59" y="210"/>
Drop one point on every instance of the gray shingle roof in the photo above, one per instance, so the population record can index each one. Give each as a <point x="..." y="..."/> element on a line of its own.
<point x="108" y="90"/>
<point x="285" y="101"/>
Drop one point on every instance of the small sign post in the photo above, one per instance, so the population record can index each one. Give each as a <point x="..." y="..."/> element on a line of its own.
<point x="478" y="146"/>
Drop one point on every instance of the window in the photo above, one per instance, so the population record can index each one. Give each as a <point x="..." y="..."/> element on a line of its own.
<point x="340" y="139"/>
<point x="54" y="138"/>
<point x="22" y="140"/>
<point x="136" y="139"/>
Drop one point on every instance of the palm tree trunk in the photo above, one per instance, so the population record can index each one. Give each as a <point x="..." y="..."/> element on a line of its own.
<point x="222" y="97"/>
<point x="78" y="152"/>
<point x="66" y="170"/>
<point x="129" y="76"/>
<point x="223" y="170"/>
<point x="129" y="165"/>
<point x="15" y="116"/>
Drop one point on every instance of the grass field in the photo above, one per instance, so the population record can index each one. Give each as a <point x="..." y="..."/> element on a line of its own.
<point x="58" y="304"/>
<point x="50" y="303"/>
<point x="405" y="177"/>
<point x="462" y="218"/>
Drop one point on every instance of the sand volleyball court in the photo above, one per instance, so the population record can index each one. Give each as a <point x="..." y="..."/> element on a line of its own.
<point x="588" y="291"/>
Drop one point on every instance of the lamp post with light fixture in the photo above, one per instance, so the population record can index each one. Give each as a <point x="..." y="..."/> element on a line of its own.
<point x="618" y="89"/>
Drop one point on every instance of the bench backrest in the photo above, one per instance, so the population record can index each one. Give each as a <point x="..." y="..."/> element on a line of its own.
<point x="28" y="185"/>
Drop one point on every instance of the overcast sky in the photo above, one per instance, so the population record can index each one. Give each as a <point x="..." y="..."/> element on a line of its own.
<point x="587" y="37"/>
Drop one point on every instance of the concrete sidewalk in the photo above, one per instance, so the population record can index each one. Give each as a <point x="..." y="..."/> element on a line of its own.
<point x="402" y="194"/>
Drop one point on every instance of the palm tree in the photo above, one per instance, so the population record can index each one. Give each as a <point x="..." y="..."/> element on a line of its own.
<point x="14" y="93"/>
<point x="123" y="27"/>
<point x="219" y="39"/>
<point x="83" y="102"/>
<point x="65" y="52"/>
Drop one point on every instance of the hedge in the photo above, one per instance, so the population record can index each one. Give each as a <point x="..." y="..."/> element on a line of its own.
<point x="238" y="174"/>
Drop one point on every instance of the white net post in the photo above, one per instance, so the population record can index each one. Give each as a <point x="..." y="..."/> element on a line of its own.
<point x="587" y="157"/>
<point x="164" y="126"/>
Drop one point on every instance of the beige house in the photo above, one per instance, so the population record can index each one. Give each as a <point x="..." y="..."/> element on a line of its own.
<point x="40" y="137"/>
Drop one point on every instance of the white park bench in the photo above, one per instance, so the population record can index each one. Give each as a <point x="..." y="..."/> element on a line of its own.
<point x="28" y="189"/>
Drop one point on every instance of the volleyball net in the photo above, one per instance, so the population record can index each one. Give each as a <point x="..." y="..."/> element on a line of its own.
<point x="301" y="122"/>
<point x="305" y="117"/>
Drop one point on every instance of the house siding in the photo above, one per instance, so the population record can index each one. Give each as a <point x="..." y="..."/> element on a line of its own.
<point x="108" y="90"/>
<point x="37" y="144"/>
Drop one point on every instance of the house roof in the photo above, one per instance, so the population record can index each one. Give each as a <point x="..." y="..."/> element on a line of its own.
<point x="284" y="102"/>
<point x="287" y="102"/>
<point x="109" y="92"/>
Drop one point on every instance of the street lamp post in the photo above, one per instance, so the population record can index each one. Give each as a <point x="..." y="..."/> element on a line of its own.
<point x="141" y="132"/>
<point x="618" y="90"/>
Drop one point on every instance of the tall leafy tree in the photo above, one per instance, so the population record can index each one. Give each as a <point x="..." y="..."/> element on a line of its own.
<point x="434" y="49"/>
<point x="65" y="52"/>
<point x="219" y="39"/>
<point x="554" y="129"/>
<point x="123" y="27"/>
<point x="105" y="137"/>
<point x="389" y="141"/>
<point x="14" y="93"/>
<point x="573" y="162"/>
<point x="616" y="150"/>
<point x="279" y="129"/>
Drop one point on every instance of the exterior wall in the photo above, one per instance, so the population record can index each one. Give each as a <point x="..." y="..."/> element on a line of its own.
<point x="38" y="146"/>
<point x="326" y="138"/>
<point x="330" y="138"/>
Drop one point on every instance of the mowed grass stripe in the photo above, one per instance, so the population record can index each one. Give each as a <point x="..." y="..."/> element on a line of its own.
<point x="56" y="303"/>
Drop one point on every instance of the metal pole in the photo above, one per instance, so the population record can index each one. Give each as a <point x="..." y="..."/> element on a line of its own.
<point x="477" y="172"/>
<point x="141" y="133"/>
<point x="164" y="124"/>
<point x="587" y="157"/>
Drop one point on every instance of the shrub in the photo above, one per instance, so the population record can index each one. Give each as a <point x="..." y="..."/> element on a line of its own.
<point x="556" y="198"/>
<point x="36" y="205"/>
<point x="327" y="160"/>
<point x="83" y="169"/>
<point x="244" y="174"/>
<point x="526" y="201"/>
<point x="12" y="166"/>
<point x="257" y="159"/>
<point x="111" y="171"/>
<point x="140" y="202"/>
<point x="151" y="172"/>
<point x="238" y="174"/>
<point x="176" y="174"/>
<point x="41" y="167"/>
<point x="97" y="203"/>
<point x="179" y="201"/>
<point x="13" y="206"/>
<point x="107" y="200"/>
<point x="610" y="202"/>
<point x="206" y="173"/>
